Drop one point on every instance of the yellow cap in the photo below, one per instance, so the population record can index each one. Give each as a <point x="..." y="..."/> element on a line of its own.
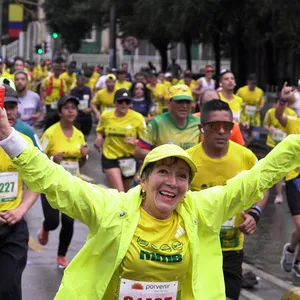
<point x="168" y="150"/>
<point x="180" y="92"/>
<point x="111" y="76"/>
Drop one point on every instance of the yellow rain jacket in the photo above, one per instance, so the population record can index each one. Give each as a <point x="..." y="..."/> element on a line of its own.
<point x="112" y="218"/>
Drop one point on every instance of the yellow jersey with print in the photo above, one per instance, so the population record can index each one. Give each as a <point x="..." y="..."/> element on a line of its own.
<point x="54" y="88"/>
<point x="157" y="261"/>
<point x="235" y="105"/>
<point x="251" y="101"/>
<point x="116" y="130"/>
<point x="11" y="183"/>
<point x="279" y="132"/>
<point x="162" y="130"/>
<point x="216" y="171"/>
<point x="105" y="99"/>
<point x="70" y="80"/>
<point x="158" y="91"/>
<point x="124" y="85"/>
<point x="292" y="127"/>
<point x="54" y="141"/>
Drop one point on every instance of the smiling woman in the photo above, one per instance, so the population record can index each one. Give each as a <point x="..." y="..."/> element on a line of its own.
<point x="158" y="240"/>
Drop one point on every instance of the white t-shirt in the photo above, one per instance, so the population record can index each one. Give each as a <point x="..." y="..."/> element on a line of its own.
<point x="101" y="82"/>
<point x="206" y="85"/>
<point x="28" y="106"/>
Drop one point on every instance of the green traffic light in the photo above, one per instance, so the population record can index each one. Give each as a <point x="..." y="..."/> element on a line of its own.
<point x="55" y="35"/>
<point x="40" y="51"/>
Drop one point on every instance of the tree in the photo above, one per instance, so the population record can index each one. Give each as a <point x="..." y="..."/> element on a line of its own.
<point x="72" y="19"/>
<point x="150" y="20"/>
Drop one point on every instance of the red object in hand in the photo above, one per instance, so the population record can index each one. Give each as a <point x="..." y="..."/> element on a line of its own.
<point x="2" y="93"/>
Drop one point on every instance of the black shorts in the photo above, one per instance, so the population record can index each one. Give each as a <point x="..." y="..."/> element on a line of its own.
<point x="293" y="195"/>
<point x="233" y="274"/>
<point x="111" y="164"/>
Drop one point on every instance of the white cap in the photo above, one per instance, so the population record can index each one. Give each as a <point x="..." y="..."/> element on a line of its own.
<point x="299" y="82"/>
<point x="168" y="74"/>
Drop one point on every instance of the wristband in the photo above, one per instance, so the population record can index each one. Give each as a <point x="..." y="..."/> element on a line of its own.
<point x="283" y="101"/>
<point x="254" y="215"/>
<point x="257" y="208"/>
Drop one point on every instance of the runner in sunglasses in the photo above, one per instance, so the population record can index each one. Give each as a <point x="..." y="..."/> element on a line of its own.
<point x="117" y="135"/>
<point x="218" y="159"/>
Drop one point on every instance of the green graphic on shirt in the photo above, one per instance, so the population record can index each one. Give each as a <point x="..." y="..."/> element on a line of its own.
<point x="144" y="255"/>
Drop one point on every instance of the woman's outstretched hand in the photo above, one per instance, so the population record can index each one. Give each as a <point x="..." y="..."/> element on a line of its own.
<point x="5" y="129"/>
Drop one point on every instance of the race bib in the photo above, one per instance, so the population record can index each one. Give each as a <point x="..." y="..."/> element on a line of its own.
<point x="278" y="135"/>
<point x="8" y="186"/>
<point x="71" y="166"/>
<point x="53" y="104"/>
<point x="229" y="224"/>
<point x="236" y="116"/>
<point x="83" y="104"/>
<point x="139" y="290"/>
<point x="250" y="110"/>
<point x="127" y="166"/>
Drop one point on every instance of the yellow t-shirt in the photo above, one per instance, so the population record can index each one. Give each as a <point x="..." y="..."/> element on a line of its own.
<point x="235" y="105"/>
<point x="70" y="80"/>
<point x="167" y="84"/>
<point x="251" y="100"/>
<point x="104" y="99"/>
<point x="55" y="94"/>
<point x="158" y="254"/>
<point x="10" y="181"/>
<point x="292" y="127"/>
<point x="115" y="130"/>
<point x="91" y="82"/>
<point x="124" y="85"/>
<point x="159" y="90"/>
<point x="54" y="141"/>
<point x="271" y="120"/>
<point x="216" y="171"/>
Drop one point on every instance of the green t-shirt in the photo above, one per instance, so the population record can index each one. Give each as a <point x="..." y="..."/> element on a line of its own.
<point x="162" y="130"/>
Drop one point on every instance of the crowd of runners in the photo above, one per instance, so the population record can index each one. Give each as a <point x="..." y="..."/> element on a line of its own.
<point x="175" y="145"/>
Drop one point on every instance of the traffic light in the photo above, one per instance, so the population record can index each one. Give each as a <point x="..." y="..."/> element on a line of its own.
<point x="46" y="49"/>
<point x="55" y="35"/>
<point x="39" y="49"/>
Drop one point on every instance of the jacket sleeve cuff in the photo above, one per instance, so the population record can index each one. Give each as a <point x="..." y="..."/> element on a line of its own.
<point x="14" y="144"/>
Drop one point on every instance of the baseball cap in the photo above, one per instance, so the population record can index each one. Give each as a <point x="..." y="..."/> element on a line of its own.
<point x="65" y="99"/>
<point x="122" y="94"/>
<point x="180" y="92"/>
<point x="110" y="76"/>
<point x="168" y="74"/>
<point x="10" y="94"/>
<point x="252" y="78"/>
<point x="165" y="151"/>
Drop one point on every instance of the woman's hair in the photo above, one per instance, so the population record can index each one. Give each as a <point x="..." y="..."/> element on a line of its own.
<point x="165" y="161"/>
<point x="147" y="93"/>
<point x="50" y="120"/>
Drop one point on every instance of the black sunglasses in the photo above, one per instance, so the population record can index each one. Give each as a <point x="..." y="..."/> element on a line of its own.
<point x="126" y="101"/>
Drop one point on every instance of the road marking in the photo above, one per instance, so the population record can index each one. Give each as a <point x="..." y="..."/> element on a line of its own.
<point x="35" y="246"/>
<point x="249" y="295"/>
<point x="86" y="178"/>
<point x="279" y="282"/>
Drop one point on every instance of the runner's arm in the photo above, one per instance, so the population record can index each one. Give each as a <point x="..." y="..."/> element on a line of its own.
<point x="280" y="115"/>
<point x="15" y="215"/>
<point x="71" y="195"/>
